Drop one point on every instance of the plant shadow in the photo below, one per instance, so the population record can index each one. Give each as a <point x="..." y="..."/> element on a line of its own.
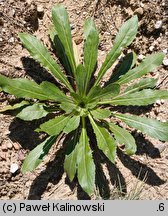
<point x="53" y="174"/>
<point x="140" y="170"/>
<point x="36" y="72"/>
<point x="23" y="133"/>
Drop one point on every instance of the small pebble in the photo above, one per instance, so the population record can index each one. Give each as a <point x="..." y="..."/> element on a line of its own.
<point x="3" y="147"/>
<point x="165" y="62"/>
<point x="165" y="51"/>
<point x="9" y="145"/>
<point x="11" y="40"/>
<point x="14" y="167"/>
<point x="40" y="9"/>
<point x="107" y="33"/>
<point x="139" y="11"/>
<point x="16" y="146"/>
<point x="162" y="101"/>
<point x="72" y="26"/>
<point x="29" y="2"/>
<point x="142" y="4"/>
<point x="141" y="57"/>
<point x="158" y="102"/>
<point x="1" y="39"/>
<point x="158" y="24"/>
<point x="151" y="48"/>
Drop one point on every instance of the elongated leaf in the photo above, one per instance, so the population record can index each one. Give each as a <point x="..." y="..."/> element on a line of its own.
<point x="142" y="98"/>
<point x="68" y="107"/>
<point x="36" y="156"/>
<point x="63" y="29"/>
<point x="72" y="124"/>
<point x="16" y="106"/>
<point x="80" y="79"/>
<point x="123" y="39"/>
<point x="124" y="137"/>
<point x="40" y="53"/>
<point x="86" y="166"/>
<point x="90" y="49"/>
<point x="24" y="88"/>
<point x="60" y="51"/>
<point x="53" y="92"/>
<point x="36" y="111"/>
<point x="101" y="113"/>
<point x="149" y="64"/>
<point x="151" y="127"/>
<point x="70" y="163"/>
<point x="54" y="126"/>
<point x="127" y="63"/>
<point x="0" y="89"/>
<point x="105" y="141"/>
<point x="98" y="93"/>
<point x="142" y="84"/>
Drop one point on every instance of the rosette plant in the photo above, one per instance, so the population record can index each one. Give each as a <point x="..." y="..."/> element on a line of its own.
<point x="80" y="101"/>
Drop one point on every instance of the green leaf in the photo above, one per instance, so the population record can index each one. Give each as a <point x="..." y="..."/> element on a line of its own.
<point x="123" y="39"/>
<point x="54" y="126"/>
<point x="16" y="106"/>
<point x="141" y="98"/>
<point x="0" y="89"/>
<point x="80" y="79"/>
<point x="68" y="107"/>
<point x="36" y="111"/>
<point x="100" y="113"/>
<point x="142" y="84"/>
<point x="72" y="124"/>
<point x="90" y="49"/>
<point x="36" y="156"/>
<point x="98" y="93"/>
<point x="63" y="29"/>
<point x="151" y="127"/>
<point x="41" y="54"/>
<point x="70" y="162"/>
<point x="124" y="137"/>
<point x="86" y="166"/>
<point x="24" y="88"/>
<point x="105" y="141"/>
<point x="53" y="92"/>
<point x="127" y="63"/>
<point x="60" y="51"/>
<point x="149" y="64"/>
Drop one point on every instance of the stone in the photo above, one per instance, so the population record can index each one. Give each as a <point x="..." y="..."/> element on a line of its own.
<point x="11" y="40"/>
<point x="16" y="146"/>
<point x="165" y="51"/>
<point x="9" y="145"/>
<point x="14" y="167"/>
<point x="139" y="11"/>
<point x="158" y="24"/>
<point x="151" y="48"/>
<point x="141" y="57"/>
<point x="165" y="62"/>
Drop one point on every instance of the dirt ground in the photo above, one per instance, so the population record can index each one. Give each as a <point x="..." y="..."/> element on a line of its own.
<point x="142" y="176"/>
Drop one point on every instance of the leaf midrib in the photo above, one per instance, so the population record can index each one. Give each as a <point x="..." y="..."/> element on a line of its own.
<point x="115" y="50"/>
<point x="147" y="125"/>
<point x="61" y="77"/>
<point x="140" y="69"/>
